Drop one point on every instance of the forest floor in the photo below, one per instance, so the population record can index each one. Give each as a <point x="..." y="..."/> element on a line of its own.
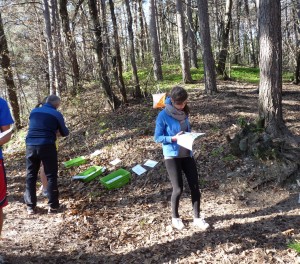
<point x="132" y="224"/>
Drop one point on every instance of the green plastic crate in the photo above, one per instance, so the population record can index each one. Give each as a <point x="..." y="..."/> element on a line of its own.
<point x="75" y="162"/>
<point x="116" y="179"/>
<point x="89" y="174"/>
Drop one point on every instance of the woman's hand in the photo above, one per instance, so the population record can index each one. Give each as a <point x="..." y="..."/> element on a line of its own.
<point x="174" y="139"/>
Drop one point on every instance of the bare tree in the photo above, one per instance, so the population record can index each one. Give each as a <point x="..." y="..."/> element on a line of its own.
<point x="98" y="42"/>
<point x="137" y="90"/>
<point x="71" y="45"/>
<point x="297" y="34"/>
<point x="8" y="75"/>
<point x="207" y="55"/>
<point x="184" y="56"/>
<point x="118" y="60"/>
<point x="270" y="86"/>
<point x="154" y="43"/>
<point x="192" y="44"/>
<point x="225" y="29"/>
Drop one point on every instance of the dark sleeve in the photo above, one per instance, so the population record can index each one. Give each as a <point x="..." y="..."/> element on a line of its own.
<point x="63" y="130"/>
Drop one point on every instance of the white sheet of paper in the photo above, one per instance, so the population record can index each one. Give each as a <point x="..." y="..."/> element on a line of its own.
<point x="186" y="140"/>
<point x="138" y="169"/>
<point x="3" y="134"/>
<point x="96" y="153"/>
<point x="115" y="161"/>
<point x="150" y="163"/>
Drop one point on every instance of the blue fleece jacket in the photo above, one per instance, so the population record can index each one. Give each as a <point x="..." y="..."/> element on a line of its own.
<point x="167" y="127"/>
<point x="44" y="122"/>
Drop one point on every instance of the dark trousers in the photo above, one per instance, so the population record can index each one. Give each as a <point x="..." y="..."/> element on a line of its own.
<point x="47" y="154"/>
<point x="175" y="167"/>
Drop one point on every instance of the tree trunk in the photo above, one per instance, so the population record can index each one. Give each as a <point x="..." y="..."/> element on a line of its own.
<point x="237" y="42"/>
<point x="137" y="89"/>
<point x="112" y="99"/>
<point x="142" y="32"/>
<point x="118" y="53"/>
<point x="297" y="33"/>
<point x="192" y="44"/>
<point x="184" y="56"/>
<point x="207" y="55"/>
<point x="270" y="86"/>
<point x="158" y="76"/>
<point x="49" y="42"/>
<point x="225" y="40"/>
<point x="71" y="48"/>
<point x="8" y="76"/>
<point x="253" y="57"/>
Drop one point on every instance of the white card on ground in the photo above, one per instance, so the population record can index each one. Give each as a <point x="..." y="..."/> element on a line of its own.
<point x="138" y="169"/>
<point x="95" y="153"/>
<point x="115" y="161"/>
<point x="150" y="163"/>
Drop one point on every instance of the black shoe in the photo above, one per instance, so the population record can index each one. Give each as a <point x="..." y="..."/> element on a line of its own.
<point x="31" y="210"/>
<point x="52" y="210"/>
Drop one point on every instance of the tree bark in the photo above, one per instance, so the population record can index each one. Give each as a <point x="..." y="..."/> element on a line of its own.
<point x="297" y="33"/>
<point x="158" y="75"/>
<point x="49" y="42"/>
<point x="104" y="79"/>
<point x="192" y="44"/>
<point x="184" y="56"/>
<point x="207" y="55"/>
<point x="8" y="76"/>
<point x="118" y="53"/>
<point x="270" y="86"/>
<point x="225" y="40"/>
<point x="137" y="89"/>
<point x="71" y="46"/>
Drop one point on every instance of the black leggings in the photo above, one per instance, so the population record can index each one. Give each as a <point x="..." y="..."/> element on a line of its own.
<point x="175" y="167"/>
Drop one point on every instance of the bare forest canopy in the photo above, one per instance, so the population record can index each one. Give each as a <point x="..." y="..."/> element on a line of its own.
<point x="123" y="47"/>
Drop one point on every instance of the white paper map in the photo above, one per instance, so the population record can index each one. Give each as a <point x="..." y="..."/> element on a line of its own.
<point x="150" y="163"/>
<point x="115" y="161"/>
<point x="138" y="169"/>
<point x="186" y="140"/>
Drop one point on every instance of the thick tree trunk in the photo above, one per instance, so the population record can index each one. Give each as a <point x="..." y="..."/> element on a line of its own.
<point x="225" y="40"/>
<point x="237" y="42"/>
<point x="8" y="76"/>
<point x="118" y="53"/>
<point x="207" y="55"/>
<point x="192" y="44"/>
<point x="184" y="56"/>
<point x="137" y="89"/>
<point x="112" y="99"/>
<point x="71" y="48"/>
<point x="158" y="76"/>
<point x="270" y="87"/>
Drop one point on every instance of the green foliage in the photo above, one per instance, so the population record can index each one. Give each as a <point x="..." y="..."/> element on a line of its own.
<point x="217" y="152"/>
<point x="229" y="157"/>
<point x="241" y="122"/>
<point x="294" y="245"/>
<point x="245" y="74"/>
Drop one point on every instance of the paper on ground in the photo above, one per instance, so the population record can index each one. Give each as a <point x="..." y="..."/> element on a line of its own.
<point x="138" y="169"/>
<point x="115" y="161"/>
<point x="150" y="163"/>
<point x="3" y="134"/>
<point x="186" y="140"/>
<point x="95" y="153"/>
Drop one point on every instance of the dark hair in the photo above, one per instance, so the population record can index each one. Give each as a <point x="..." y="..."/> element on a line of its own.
<point x="42" y="102"/>
<point x="178" y="94"/>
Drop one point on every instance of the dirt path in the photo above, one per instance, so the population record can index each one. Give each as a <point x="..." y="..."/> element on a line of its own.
<point x="132" y="224"/>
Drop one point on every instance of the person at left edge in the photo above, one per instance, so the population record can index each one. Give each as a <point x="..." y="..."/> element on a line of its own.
<point x="44" y="122"/>
<point x="5" y="121"/>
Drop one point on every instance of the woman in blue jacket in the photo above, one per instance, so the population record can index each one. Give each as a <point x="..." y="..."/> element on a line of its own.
<point x="170" y="123"/>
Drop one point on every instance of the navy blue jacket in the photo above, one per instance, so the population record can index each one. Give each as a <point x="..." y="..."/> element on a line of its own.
<point x="44" y="122"/>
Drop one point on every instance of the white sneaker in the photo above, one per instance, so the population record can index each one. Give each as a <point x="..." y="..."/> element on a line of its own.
<point x="177" y="223"/>
<point x="200" y="223"/>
